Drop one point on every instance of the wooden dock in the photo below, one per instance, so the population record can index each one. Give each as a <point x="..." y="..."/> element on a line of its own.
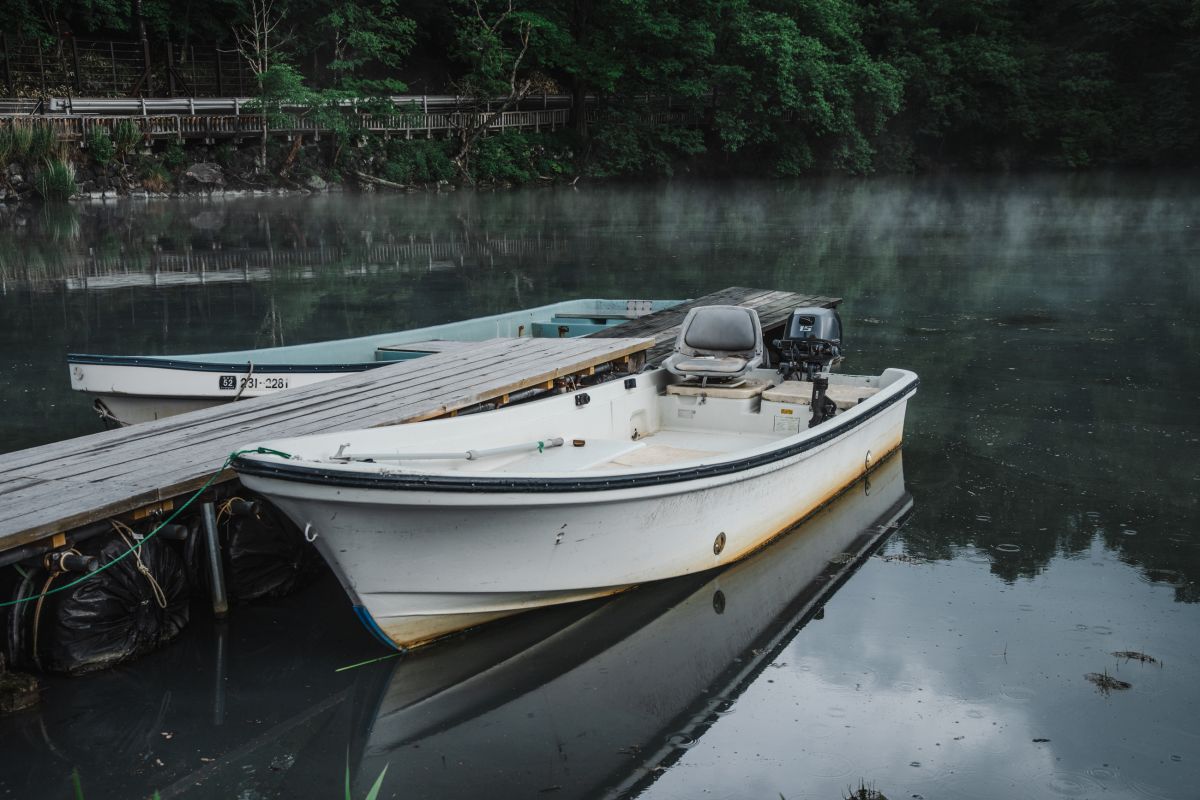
<point x="773" y="308"/>
<point x="53" y="489"/>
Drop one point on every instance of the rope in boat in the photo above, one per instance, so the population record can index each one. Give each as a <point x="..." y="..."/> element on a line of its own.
<point x="46" y="591"/>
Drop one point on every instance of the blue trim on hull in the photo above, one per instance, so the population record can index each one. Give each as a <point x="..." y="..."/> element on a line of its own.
<point x="369" y="623"/>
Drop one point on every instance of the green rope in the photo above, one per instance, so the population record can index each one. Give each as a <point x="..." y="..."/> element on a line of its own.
<point x="212" y="478"/>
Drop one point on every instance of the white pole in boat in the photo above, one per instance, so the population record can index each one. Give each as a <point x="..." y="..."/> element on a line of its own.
<point x="469" y="455"/>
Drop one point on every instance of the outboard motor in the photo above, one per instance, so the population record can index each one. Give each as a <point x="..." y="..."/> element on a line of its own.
<point x="811" y="346"/>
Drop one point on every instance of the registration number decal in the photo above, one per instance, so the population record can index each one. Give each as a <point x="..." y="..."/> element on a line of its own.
<point x="233" y="382"/>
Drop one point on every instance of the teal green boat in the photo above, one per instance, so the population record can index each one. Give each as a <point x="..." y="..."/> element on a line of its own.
<point x="133" y="389"/>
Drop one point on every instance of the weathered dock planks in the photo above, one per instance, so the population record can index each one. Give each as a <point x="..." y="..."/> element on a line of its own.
<point x="57" y="487"/>
<point x="773" y="308"/>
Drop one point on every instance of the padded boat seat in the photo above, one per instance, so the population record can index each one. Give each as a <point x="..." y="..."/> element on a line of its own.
<point x="745" y="391"/>
<point x="800" y="393"/>
<point x="730" y="365"/>
<point x="718" y="342"/>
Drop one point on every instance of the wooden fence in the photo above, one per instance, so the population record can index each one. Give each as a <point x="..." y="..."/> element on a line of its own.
<point x="213" y="127"/>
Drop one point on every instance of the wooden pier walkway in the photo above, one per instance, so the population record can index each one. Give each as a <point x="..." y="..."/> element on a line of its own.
<point x="773" y="308"/>
<point x="53" y="489"/>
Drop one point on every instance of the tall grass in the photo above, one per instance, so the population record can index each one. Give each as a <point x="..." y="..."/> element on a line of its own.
<point x="125" y="136"/>
<point x="56" y="181"/>
<point x="22" y="135"/>
<point x="42" y="142"/>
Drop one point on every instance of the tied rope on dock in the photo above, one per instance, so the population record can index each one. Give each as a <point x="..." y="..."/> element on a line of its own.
<point x="132" y="550"/>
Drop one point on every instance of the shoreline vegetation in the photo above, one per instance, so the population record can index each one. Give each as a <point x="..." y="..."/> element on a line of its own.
<point x="713" y="88"/>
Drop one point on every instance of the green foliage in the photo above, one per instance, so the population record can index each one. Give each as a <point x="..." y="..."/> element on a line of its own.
<point x="42" y="142"/>
<point x="783" y="87"/>
<point x="418" y="161"/>
<point x="100" y="145"/>
<point x="628" y="142"/>
<point x="174" y="157"/>
<point x="367" y="36"/>
<point x="155" y="177"/>
<point x="126" y="136"/>
<point x="56" y="180"/>
<point x="22" y="136"/>
<point x="373" y="792"/>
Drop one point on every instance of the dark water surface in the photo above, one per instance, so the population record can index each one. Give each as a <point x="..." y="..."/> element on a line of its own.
<point x="1052" y="456"/>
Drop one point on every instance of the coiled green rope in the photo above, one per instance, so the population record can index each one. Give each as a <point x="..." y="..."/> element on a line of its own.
<point x="161" y="525"/>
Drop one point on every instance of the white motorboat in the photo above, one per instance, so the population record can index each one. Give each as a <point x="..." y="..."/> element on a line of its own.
<point x="438" y="526"/>
<point x="133" y="389"/>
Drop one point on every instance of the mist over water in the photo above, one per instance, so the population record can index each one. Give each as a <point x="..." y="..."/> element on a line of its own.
<point x="1052" y="453"/>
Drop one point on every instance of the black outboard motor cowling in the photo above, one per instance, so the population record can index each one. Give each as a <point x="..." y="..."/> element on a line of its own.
<point x="810" y="347"/>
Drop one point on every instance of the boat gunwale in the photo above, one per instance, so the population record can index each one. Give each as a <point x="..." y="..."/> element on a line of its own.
<point x="213" y="366"/>
<point x="257" y="465"/>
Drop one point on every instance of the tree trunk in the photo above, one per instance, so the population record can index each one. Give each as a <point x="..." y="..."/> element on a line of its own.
<point x="579" y="108"/>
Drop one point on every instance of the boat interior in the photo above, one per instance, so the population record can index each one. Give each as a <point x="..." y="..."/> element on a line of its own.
<point x="567" y="319"/>
<point x="713" y="401"/>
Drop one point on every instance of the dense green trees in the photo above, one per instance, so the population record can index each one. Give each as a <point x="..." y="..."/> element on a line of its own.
<point x="769" y="86"/>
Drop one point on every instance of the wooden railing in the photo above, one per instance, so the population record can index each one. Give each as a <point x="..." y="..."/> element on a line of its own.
<point x="211" y="127"/>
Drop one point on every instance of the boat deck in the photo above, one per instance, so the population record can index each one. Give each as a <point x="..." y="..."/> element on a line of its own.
<point x="130" y="473"/>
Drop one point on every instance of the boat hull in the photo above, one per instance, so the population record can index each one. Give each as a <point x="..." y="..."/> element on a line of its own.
<point x="136" y="389"/>
<point x="425" y="563"/>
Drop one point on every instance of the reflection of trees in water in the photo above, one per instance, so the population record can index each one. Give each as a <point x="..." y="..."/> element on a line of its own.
<point x="1021" y="521"/>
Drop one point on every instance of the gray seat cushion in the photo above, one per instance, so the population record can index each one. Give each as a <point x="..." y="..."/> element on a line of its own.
<point x="722" y="328"/>
<point x="729" y="365"/>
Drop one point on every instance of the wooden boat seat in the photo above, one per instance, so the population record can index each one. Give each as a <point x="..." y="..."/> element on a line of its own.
<point x="744" y="391"/>
<point x="800" y="393"/>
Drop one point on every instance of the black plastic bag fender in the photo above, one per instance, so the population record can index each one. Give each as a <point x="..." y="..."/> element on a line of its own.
<point x="124" y="611"/>
<point x="266" y="555"/>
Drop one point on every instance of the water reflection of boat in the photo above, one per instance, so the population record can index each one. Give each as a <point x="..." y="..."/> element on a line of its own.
<point x="132" y="389"/>
<point x="590" y="699"/>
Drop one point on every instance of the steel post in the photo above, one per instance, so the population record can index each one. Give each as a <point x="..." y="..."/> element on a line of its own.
<point x="215" y="571"/>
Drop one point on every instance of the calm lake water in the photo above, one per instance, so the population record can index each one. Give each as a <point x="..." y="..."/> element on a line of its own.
<point x="929" y="635"/>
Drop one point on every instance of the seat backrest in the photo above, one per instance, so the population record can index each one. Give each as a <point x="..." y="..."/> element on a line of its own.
<point x="720" y="330"/>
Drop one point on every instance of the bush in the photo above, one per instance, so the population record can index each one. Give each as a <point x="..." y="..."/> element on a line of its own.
<point x="100" y="145"/>
<point x="56" y="181"/>
<point x="418" y="161"/>
<point x="126" y="136"/>
<point x="517" y="157"/>
<point x="156" y="178"/>
<point x="174" y="157"/>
